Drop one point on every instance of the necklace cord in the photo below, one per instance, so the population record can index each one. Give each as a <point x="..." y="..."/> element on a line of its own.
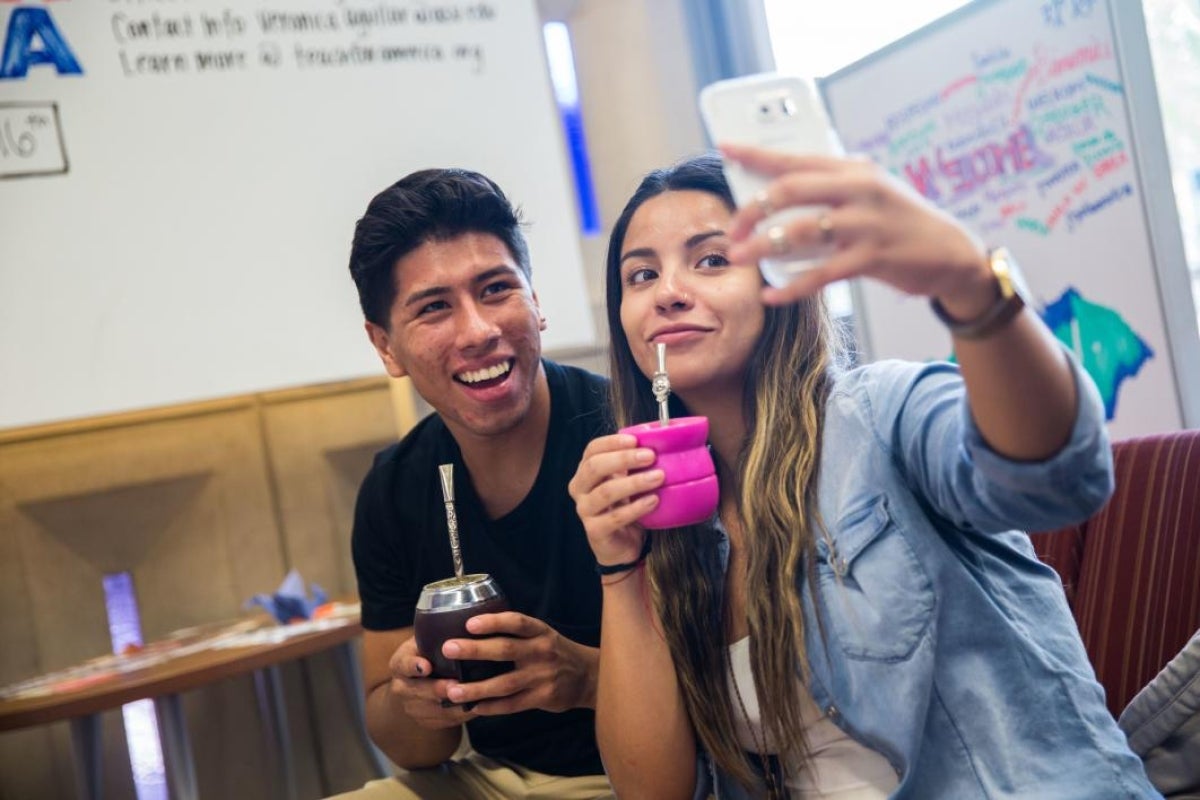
<point x="774" y="792"/>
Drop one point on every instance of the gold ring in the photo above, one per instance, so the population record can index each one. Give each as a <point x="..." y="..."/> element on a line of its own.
<point x="825" y="226"/>
<point x="763" y="201"/>
<point x="777" y="236"/>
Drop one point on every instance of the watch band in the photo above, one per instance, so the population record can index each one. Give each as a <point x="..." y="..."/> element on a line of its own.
<point x="1009" y="301"/>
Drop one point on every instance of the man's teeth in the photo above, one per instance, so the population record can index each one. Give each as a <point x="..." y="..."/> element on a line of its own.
<point x="485" y="374"/>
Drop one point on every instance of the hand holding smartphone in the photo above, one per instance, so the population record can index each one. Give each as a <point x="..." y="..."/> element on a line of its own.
<point x="774" y="112"/>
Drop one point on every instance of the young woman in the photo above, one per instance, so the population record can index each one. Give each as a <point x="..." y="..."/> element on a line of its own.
<point x="864" y="618"/>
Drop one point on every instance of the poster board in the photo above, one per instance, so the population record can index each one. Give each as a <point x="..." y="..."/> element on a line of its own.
<point x="179" y="182"/>
<point x="1036" y="124"/>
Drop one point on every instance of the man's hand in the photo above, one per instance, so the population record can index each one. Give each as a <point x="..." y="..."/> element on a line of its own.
<point x="419" y="695"/>
<point x="551" y="672"/>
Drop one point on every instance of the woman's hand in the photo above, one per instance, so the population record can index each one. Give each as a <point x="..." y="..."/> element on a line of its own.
<point x="877" y="226"/>
<point x="606" y="498"/>
<point x="1020" y="388"/>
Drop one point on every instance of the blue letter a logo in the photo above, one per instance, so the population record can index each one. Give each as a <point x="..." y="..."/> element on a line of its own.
<point x="23" y="26"/>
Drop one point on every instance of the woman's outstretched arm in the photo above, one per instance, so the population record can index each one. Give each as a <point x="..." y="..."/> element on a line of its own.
<point x="1020" y="388"/>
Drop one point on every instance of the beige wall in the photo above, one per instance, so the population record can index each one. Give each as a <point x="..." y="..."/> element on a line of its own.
<point x="210" y="503"/>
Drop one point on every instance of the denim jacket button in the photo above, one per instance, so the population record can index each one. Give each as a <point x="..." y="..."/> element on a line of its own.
<point x="832" y="713"/>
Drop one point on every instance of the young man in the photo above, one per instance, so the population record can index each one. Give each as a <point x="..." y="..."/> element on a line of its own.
<point x="443" y="278"/>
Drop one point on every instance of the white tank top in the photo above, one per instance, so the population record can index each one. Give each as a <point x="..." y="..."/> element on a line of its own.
<point x="839" y="766"/>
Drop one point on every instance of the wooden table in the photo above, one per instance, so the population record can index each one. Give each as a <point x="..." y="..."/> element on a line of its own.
<point x="166" y="680"/>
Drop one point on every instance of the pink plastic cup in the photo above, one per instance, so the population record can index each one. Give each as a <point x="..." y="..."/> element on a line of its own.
<point x="689" y="491"/>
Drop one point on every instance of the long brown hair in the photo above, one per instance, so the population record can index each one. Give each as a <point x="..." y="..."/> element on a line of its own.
<point x="790" y="371"/>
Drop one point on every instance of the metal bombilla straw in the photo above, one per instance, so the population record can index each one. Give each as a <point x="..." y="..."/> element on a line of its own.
<point x="661" y="384"/>
<point x="446" y="471"/>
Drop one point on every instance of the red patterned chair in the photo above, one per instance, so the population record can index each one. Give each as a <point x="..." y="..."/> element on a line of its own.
<point x="1132" y="571"/>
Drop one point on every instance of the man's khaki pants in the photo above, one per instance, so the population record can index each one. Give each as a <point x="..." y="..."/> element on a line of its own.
<point x="476" y="777"/>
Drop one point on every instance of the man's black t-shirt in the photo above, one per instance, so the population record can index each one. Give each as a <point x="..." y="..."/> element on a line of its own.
<point x="538" y="553"/>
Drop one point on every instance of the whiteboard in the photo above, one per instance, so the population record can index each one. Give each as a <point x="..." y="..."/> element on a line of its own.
<point x="177" y="216"/>
<point x="1035" y="123"/>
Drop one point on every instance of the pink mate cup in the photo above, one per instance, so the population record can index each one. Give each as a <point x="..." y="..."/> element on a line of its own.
<point x="689" y="491"/>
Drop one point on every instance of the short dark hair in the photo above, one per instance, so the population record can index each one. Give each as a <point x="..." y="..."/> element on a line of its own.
<point x="429" y="205"/>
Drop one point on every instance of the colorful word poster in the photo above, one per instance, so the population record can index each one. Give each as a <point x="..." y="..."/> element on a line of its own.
<point x="1013" y="117"/>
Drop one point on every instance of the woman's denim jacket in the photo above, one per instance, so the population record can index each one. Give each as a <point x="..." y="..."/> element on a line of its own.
<point x="944" y="643"/>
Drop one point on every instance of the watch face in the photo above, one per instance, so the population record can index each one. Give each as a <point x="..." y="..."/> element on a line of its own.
<point x="1012" y="291"/>
<point x="1008" y="274"/>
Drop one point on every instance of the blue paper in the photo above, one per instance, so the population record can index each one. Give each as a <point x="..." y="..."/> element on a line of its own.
<point x="291" y="600"/>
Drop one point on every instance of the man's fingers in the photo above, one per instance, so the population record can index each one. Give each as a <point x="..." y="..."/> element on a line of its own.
<point x="408" y="665"/>
<point x="496" y="704"/>
<point x="421" y="691"/>
<point x="510" y="623"/>
<point x="490" y="648"/>
<point x="509" y="683"/>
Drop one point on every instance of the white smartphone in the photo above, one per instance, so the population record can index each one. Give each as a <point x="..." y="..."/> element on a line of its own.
<point x="775" y="112"/>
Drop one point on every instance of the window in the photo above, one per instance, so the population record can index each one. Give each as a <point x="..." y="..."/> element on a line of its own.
<point x="1173" y="27"/>
<point x="561" y="59"/>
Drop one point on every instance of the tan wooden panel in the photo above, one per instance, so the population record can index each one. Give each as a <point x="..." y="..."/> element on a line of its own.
<point x="320" y="448"/>
<point x="183" y="504"/>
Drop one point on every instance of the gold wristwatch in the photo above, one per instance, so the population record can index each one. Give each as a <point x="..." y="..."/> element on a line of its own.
<point x="1010" y="299"/>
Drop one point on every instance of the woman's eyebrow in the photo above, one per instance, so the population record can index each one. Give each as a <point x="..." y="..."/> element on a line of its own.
<point x="692" y="241"/>
<point x="641" y="252"/>
<point x="701" y="237"/>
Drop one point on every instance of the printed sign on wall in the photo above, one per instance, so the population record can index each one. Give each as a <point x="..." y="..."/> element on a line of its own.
<point x="179" y="183"/>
